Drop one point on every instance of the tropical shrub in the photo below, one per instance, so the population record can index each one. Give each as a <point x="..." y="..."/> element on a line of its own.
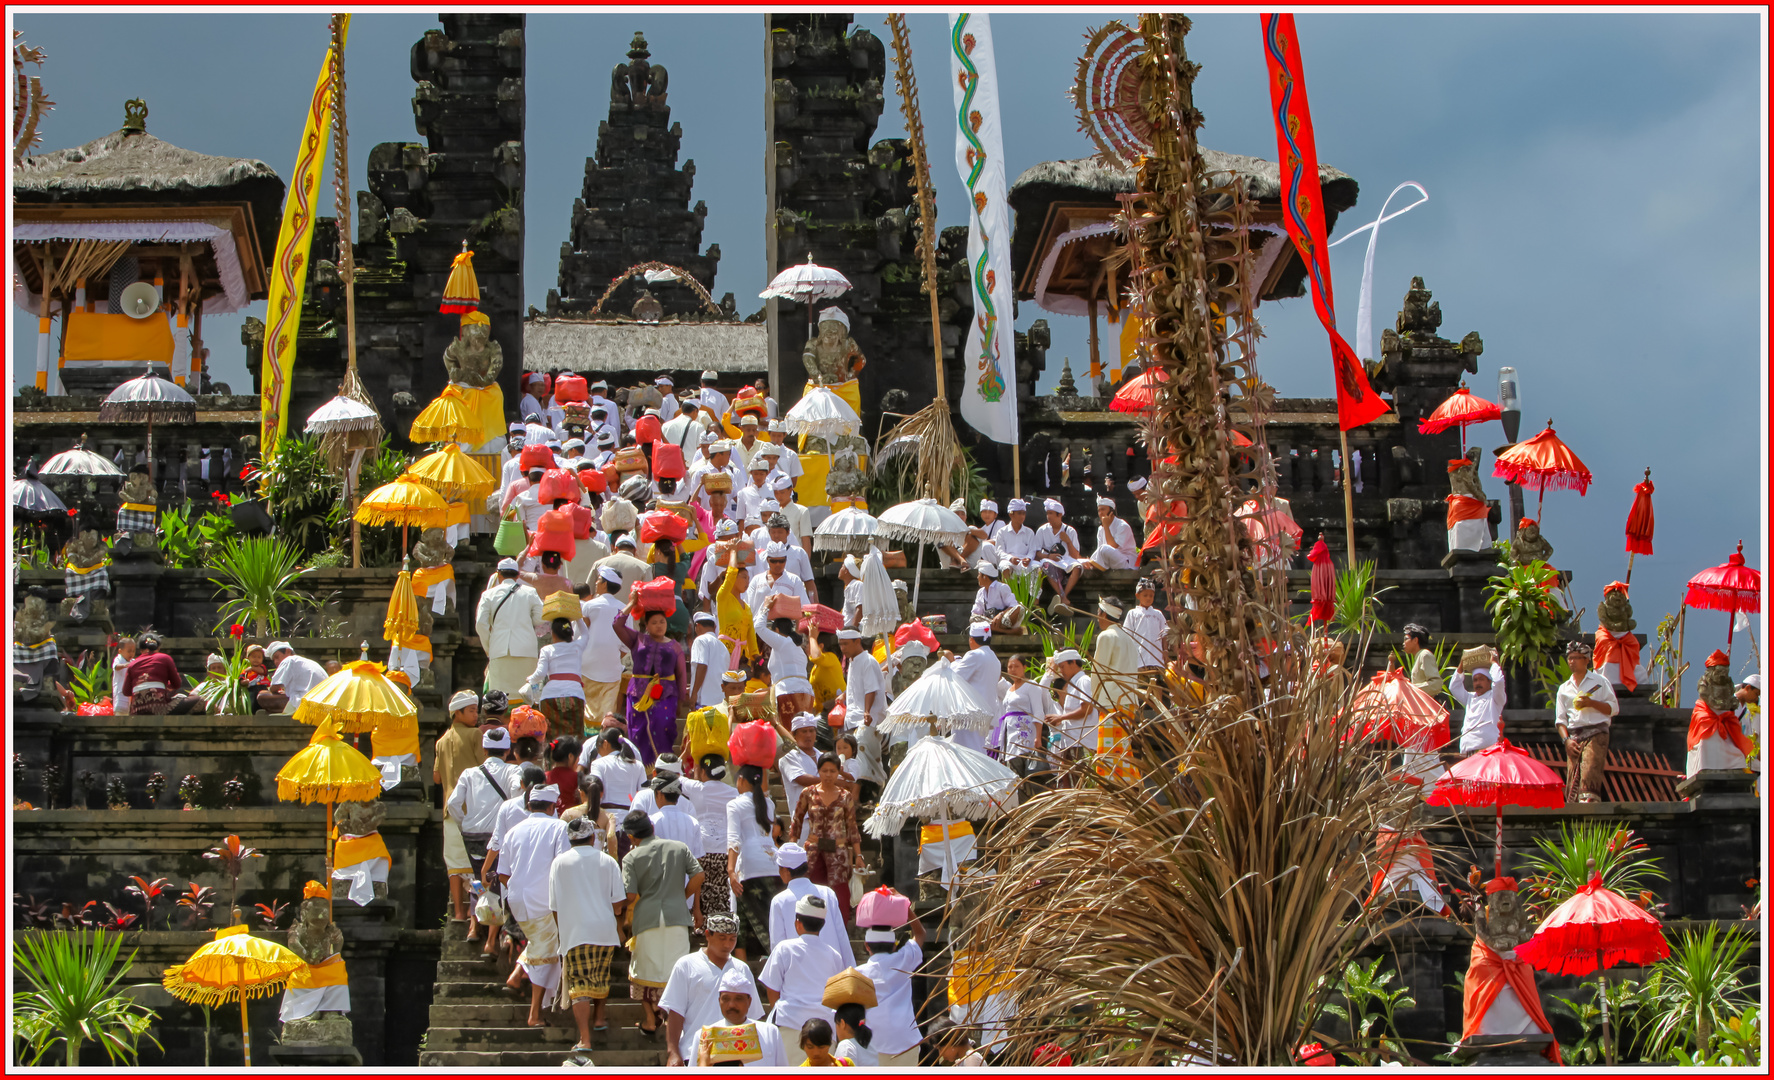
<point x="1694" y="994"/>
<point x="1558" y="869"/>
<point x="71" y="997"/>
<point x="258" y="575"/>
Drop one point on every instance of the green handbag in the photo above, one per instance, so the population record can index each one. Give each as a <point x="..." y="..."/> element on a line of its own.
<point x="510" y="540"/>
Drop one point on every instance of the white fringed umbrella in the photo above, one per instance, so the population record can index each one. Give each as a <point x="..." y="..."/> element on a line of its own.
<point x="850" y="531"/>
<point x="31" y="497"/>
<point x="922" y="521"/>
<point x="341" y="414"/>
<point x="940" y="780"/>
<point x="940" y="698"/>
<point x="147" y="398"/>
<point x="822" y="414"/>
<point x="806" y="283"/>
<point x="79" y="462"/>
<point x="880" y="604"/>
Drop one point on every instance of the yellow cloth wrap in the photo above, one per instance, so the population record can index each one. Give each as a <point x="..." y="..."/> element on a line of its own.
<point x="810" y="485"/>
<point x="417" y="643"/>
<point x="428" y="577"/>
<point x="455" y="513"/>
<point x="733" y="617"/>
<point x="142" y="508"/>
<point x="82" y="571"/>
<point x="329" y="972"/>
<point x="487" y="403"/>
<point x="351" y="850"/>
<point x="974" y="976"/>
<point x="936" y="834"/>
<point x="879" y="652"/>
<point x="116" y="338"/>
<point x="851" y="392"/>
<point x="393" y="738"/>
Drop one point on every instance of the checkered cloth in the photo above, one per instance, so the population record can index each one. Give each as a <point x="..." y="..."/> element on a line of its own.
<point x="34" y="654"/>
<point x="130" y="521"/>
<point x="586" y="972"/>
<point x="98" y="581"/>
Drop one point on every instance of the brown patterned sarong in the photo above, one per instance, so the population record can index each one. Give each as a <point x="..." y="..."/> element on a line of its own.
<point x="586" y="972"/>
<point x="717" y="895"/>
<point x="565" y="716"/>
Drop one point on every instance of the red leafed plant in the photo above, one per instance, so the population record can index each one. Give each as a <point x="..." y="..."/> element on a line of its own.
<point x="147" y="892"/>
<point x="196" y="900"/>
<point x="271" y="914"/>
<point x="232" y="854"/>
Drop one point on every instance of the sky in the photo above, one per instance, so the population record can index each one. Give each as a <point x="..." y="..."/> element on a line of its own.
<point x="1596" y="208"/>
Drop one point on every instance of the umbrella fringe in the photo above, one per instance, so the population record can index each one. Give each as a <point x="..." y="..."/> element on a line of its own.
<point x="963" y="721"/>
<point x="1530" y="478"/>
<point x="1450" y="791"/>
<point x="212" y="997"/>
<point x="1714" y="598"/>
<point x="887" y="820"/>
<point x="288" y="791"/>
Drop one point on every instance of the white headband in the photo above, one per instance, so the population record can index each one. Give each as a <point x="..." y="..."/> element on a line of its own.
<point x="832" y="314"/>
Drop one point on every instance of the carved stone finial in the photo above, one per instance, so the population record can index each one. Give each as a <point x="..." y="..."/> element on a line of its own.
<point x="1067" y="387"/>
<point x="135" y="117"/>
<point x="1419" y="314"/>
<point x="637" y="49"/>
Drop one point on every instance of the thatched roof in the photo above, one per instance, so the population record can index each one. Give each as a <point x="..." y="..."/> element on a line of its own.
<point x="1093" y="180"/>
<point x="136" y="168"/>
<point x="579" y="345"/>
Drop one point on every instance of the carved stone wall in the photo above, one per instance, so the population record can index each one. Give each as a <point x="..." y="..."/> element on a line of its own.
<point x="635" y="205"/>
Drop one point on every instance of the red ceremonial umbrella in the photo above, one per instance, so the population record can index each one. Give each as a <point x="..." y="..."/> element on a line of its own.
<point x="1499" y="776"/>
<point x="1324" y="583"/>
<point x="1641" y="522"/>
<point x="1732" y="587"/>
<point x="1546" y="461"/>
<point x="1272" y="528"/>
<point x="1595" y="929"/>
<point x="1391" y="707"/>
<point x="1137" y="396"/>
<point x="1463" y="408"/>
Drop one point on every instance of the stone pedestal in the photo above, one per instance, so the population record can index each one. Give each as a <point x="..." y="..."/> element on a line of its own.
<point x="1503" y="1051"/>
<point x="1717" y="782"/>
<point x="135" y="583"/>
<point x="315" y="1056"/>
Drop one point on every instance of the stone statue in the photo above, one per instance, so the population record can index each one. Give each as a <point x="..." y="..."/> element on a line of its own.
<point x="910" y="668"/>
<point x="316" y="939"/>
<point x="86" y="552"/>
<point x="832" y="357"/>
<point x="1464" y="479"/>
<point x="433" y="549"/>
<point x="32" y="622"/>
<point x="474" y="359"/>
<point x="1419" y="313"/>
<point x="135" y="523"/>
<point x="845" y="479"/>
<point x="366" y="878"/>
<point x="137" y="488"/>
<point x="1615" y="612"/>
<point x="647" y="308"/>
<point x="1528" y="545"/>
<point x="1716" y="689"/>
<point x="1502" y="923"/>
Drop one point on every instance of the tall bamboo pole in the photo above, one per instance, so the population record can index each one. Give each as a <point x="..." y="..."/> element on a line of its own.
<point x="347" y="263"/>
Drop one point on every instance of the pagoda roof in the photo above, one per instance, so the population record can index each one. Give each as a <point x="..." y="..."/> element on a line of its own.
<point x="134" y="168"/>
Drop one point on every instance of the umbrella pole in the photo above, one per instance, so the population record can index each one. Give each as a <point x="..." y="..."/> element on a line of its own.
<point x="329" y="860"/>
<point x="917" y="579"/>
<point x="1731" y="627"/>
<point x="1601" y="982"/>
<point x="1540" y="503"/>
<point x="246" y="1031"/>
<point x="150" y="446"/>
<point x="1499" y="872"/>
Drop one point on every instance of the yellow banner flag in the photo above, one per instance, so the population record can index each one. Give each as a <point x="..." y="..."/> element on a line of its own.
<point x="289" y="268"/>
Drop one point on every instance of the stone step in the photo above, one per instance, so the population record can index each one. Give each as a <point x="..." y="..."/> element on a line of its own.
<point x="474" y="969"/>
<point x="619" y="1012"/>
<point x="493" y="1035"/>
<point x="627" y="1038"/>
<point x="488" y="992"/>
<point x="488" y="1059"/>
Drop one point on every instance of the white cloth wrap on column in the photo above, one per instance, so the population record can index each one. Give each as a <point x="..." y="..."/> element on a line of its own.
<point x="390" y="767"/>
<point x="300" y="1003"/>
<point x="1473" y="534"/>
<point x="363" y="877"/>
<point x="1715" y="752"/>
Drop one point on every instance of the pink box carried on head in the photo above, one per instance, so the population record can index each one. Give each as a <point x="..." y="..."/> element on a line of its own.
<point x="884" y="907"/>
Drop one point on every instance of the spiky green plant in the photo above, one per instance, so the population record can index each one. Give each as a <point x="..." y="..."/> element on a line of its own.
<point x="1559" y="868"/>
<point x="258" y="575"/>
<point x="71" y="997"/>
<point x="1697" y="990"/>
<point x="1358" y="603"/>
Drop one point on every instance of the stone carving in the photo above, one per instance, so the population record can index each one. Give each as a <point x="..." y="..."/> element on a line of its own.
<point x="137" y="488"/>
<point x="360" y="819"/>
<point x="908" y="671"/>
<point x="845" y="479"/>
<point x="1615" y="613"/>
<point x="32" y="622"/>
<point x="832" y="357"/>
<point x="1464" y="480"/>
<point x="1419" y="312"/>
<point x="474" y="359"/>
<point x="432" y="549"/>
<point x="647" y="308"/>
<point x="1529" y="546"/>
<point x="1717" y="690"/>
<point x="316" y="939"/>
<point x="86" y="550"/>
<point x="1502" y="923"/>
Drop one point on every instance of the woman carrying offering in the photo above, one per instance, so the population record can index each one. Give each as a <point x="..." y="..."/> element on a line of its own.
<point x="834" y="844"/>
<point x="653" y="691"/>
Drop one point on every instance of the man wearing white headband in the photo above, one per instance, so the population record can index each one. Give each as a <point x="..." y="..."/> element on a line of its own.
<point x="1146" y="625"/>
<point x="778" y="527"/>
<point x="758" y="491"/>
<point x="1056" y="545"/>
<point x="457" y="749"/>
<point x="776" y="578"/>
<point x="717" y="461"/>
<point x="1015" y="541"/>
<point x="800" y="530"/>
<point x="891" y="967"/>
<point x="787" y="459"/>
<point x="1117" y="548"/>
<point x="800" y="766"/>
<point x="473" y="803"/>
<point x="711" y="986"/>
<point x="798" y="885"/>
<point x="996" y="604"/>
<point x="979" y="669"/>
<point x="668" y="401"/>
<point x="525" y="859"/>
<point x="795" y="974"/>
<point x="1076" y="718"/>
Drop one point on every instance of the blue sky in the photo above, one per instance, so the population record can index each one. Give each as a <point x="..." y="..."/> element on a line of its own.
<point x="1596" y="194"/>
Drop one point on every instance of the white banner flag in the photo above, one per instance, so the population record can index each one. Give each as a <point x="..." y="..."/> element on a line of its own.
<point x="988" y="391"/>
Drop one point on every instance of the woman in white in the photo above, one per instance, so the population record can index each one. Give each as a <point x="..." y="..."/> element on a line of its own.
<point x="1022" y="723"/>
<point x="892" y="1020"/>
<point x="751" y="858"/>
<point x="557" y="686"/>
<point x="713" y="793"/>
<point x="617" y="764"/>
<point x="788" y="657"/>
<point x="1116" y="546"/>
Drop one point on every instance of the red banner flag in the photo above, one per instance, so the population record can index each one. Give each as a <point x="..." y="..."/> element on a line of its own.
<point x="1303" y="211"/>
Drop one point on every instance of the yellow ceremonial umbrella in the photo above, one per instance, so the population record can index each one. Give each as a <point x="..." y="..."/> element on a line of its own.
<point x="354" y="699"/>
<point x="328" y="771"/>
<point x="234" y="967"/>
<point x="402" y="620"/>
<point x="406" y="502"/>
<point x="453" y="474"/>
<point x="448" y="418"/>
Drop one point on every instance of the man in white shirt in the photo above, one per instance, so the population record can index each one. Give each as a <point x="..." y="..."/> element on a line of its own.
<point x="787" y="460"/>
<point x="698" y="986"/>
<point x="708" y="659"/>
<point x="979" y="669"/>
<point x="1146" y="625"/>
<point x="506" y="620"/>
<point x="1483" y="705"/>
<point x="865" y="686"/>
<point x="791" y="865"/>
<point x="757" y="494"/>
<point x="601" y="655"/>
<point x="748" y="441"/>
<point x="668" y="403"/>
<point x="292" y="676"/>
<point x="473" y="804"/>
<point x="1076" y="719"/>
<point x="525" y="860"/>
<point x="1016" y="542"/>
<point x="684" y="432"/>
<point x="795" y="974"/>
<point x="775" y="579"/>
<point x="586" y="897"/>
<point x="778" y="528"/>
<point x="895" y="1024"/>
<point x="1056" y="547"/>
<point x="1585" y="715"/>
<point x="711" y="399"/>
<point x="799" y="767"/>
<point x="995" y="603"/>
<point x="1117" y="548"/>
<point x="850" y="576"/>
<point x="719" y="462"/>
<point x="799" y="530"/>
<point x="674" y="821"/>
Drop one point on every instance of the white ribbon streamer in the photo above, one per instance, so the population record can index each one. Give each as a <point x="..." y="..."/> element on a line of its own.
<point x="1364" y="315"/>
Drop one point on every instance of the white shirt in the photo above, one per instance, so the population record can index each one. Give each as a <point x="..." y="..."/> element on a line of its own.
<point x="715" y="658"/>
<point x="1478" y="726"/>
<point x="1015" y="543"/>
<point x="120" y="700"/>
<point x="601" y="655"/>
<point x="1082" y="731"/>
<point x="861" y="679"/>
<point x="584" y="884"/>
<point x="673" y="822"/>
<point x="558" y="658"/>
<point x="692" y="990"/>
<point x="1119" y="536"/>
<point x="788" y="461"/>
<point x="1147" y="626"/>
<point x="1019" y="731"/>
<point x="527" y="856"/>
<point x="798" y="562"/>
<point x="782" y="916"/>
<point x="787" y="660"/>
<point x="713" y="400"/>
<point x="752" y="497"/>
<point x="797" y="969"/>
<point x="852" y="603"/>
<point x="474" y="802"/>
<point x="770" y="1047"/>
<point x="892" y="1020"/>
<point x="668" y="406"/>
<point x="859" y="1055"/>
<point x="797" y="763"/>
<point x="621" y="778"/>
<point x="513" y="631"/>
<point x="510" y="812"/>
<point x="1585" y="721"/>
<point x="757" y="852"/>
<point x="993" y="598"/>
<point x="297" y="675"/>
<point x="711" y="814"/>
<point x="764" y="586"/>
<point x="1046" y="539"/>
<point x="979" y="669"/>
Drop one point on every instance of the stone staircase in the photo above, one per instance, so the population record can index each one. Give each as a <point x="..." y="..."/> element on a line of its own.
<point x="476" y="1022"/>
